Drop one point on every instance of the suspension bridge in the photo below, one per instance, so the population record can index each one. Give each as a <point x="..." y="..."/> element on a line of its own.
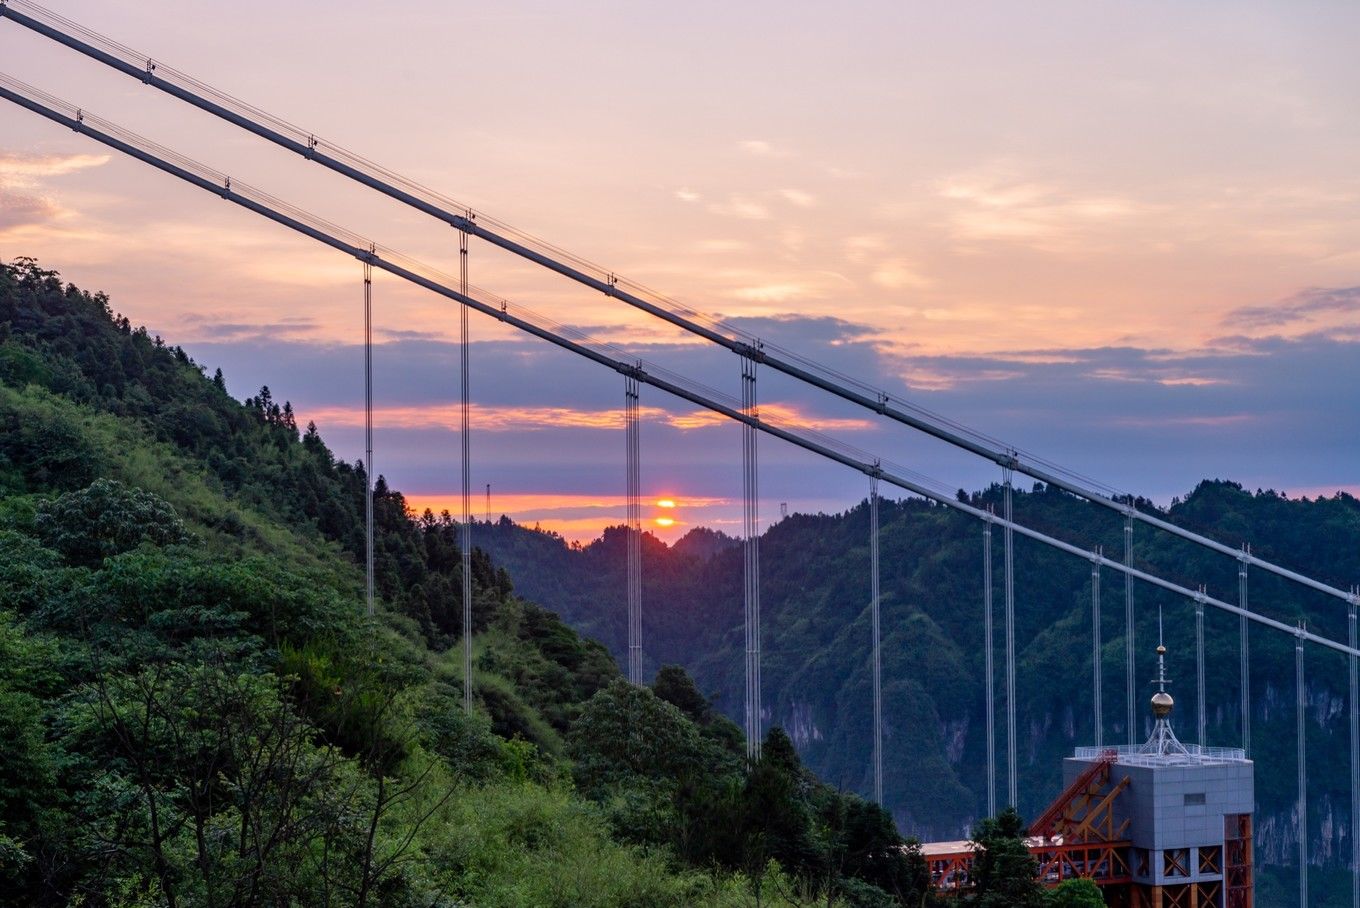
<point x="751" y="353"/>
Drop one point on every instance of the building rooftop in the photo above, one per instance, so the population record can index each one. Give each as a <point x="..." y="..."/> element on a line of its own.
<point x="1179" y="755"/>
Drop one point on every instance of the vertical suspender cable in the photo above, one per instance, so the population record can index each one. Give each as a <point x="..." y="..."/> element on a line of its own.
<point x="1355" y="750"/>
<point x="634" y="531"/>
<point x="1301" y="732"/>
<point x="1200" y="715"/>
<point x="1098" y="706"/>
<point x="1011" y="763"/>
<point x="1244" y="652"/>
<point x="746" y="556"/>
<point x="751" y="528"/>
<point x="1131" y="680"/>
<point x="368" y="437"/>
<point x="989" y="659"/>
<point x="874" y="592"/>
<point x="465" y="537"/>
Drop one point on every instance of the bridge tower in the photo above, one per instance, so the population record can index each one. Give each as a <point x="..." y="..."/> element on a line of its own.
<point x="1185" y="811"/>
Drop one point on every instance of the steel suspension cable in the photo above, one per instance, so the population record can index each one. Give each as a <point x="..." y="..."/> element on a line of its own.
<point x="1097" y="705"/>
<point x="368" y="437"/>
<point x="877" y="659"/>
<point x="1244" y="654"/>
<point x="1200" y="715"/>
<point x="1130" y="650"/>
<point x="751" y="529"/>
<point x="1301" y="703"/>
<point x="989" y="660"/>
<point x="634" y="518"/>
<point x="306" y="144"/>
<point x="1012" y="766"/>
<point x="1354" y="672"/>
<point x="465" y="439"/>
<point x="350" y="244"/>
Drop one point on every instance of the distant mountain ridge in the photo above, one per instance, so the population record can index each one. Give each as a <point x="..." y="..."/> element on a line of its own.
<point x="816" y="639"/>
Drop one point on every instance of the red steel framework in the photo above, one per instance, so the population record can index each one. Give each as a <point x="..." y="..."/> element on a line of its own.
<point x="1076" y="838"/>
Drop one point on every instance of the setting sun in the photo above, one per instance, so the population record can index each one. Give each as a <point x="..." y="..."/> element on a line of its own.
<point x="665" y="503"/>
<point x="665" y="521"/>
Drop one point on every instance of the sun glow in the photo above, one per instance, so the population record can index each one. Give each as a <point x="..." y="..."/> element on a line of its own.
<point x="665" y="521"/>
<point x="666" y="503"/>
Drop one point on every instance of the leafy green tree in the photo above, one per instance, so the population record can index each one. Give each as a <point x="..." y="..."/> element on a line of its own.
<point x="627" y="733"/>
<point x="1005" y="874"/>
<point x="674" y="685"/>
<point x="870" y="849"/>
<point x="777" y="811"/>
<point x="105" y="519"/>
<point x="49" y="451"/>
<point x="1076" y="894"/>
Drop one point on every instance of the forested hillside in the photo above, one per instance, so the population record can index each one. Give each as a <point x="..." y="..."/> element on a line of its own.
<point x="815" y="594"/>
<point x="196" y="711"/>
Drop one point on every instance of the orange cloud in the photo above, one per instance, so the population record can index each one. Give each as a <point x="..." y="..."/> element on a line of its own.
<point x="25" y="169"/>
<point x="777" y="414"/>
<point x="511" y="419"/>
<point x="576" y="517"/>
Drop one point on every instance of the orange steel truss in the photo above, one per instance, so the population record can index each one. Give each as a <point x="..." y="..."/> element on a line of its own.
<point x="1076" y="838"/>
<point x="1185" y="895"/>
<point x="1105" y="864"/>
<point x="1084" y="813"/>
<point x="1237" y="861"/>
<point x="951" y="872"/>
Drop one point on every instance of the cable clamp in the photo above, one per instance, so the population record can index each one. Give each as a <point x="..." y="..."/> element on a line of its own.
<point x="150" y="70"/>
<point x="754" y="352"/>
<point x="882" y="402"/>
<point x="311" y="146"/>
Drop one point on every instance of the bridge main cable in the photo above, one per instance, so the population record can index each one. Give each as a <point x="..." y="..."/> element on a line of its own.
<point x="306" y="145"/>
<point x="321" y="231"/>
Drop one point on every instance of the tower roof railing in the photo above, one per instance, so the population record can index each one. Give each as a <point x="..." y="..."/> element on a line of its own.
<point x="1135" y="755"/>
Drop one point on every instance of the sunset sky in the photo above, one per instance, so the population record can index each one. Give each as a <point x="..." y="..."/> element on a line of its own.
<point x="1124" y="236"/>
